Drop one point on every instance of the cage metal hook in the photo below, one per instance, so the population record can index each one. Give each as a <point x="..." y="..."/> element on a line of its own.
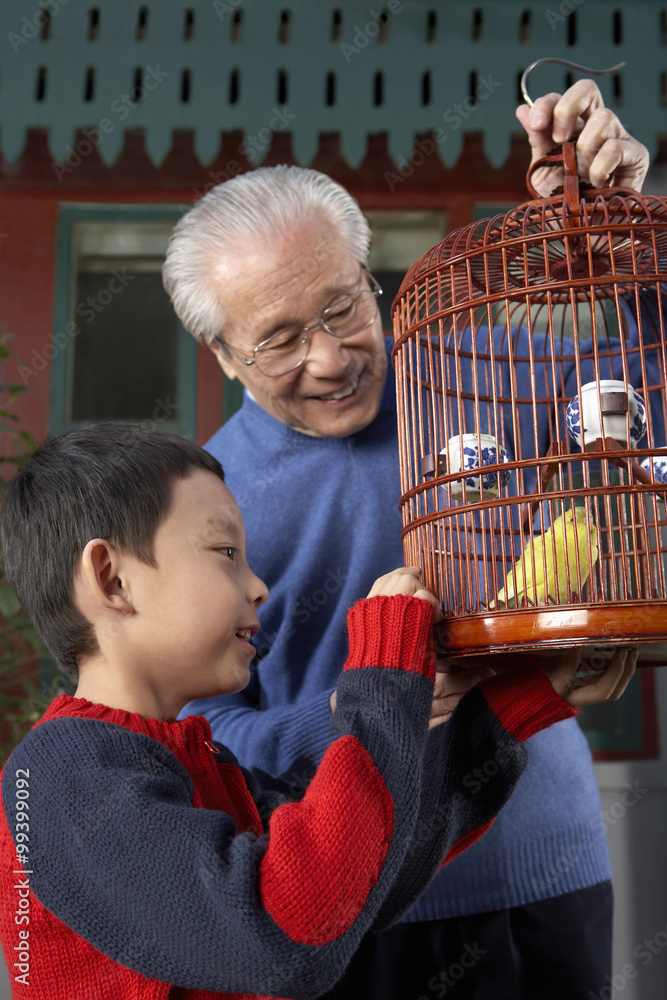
<point x="563" y="62"/>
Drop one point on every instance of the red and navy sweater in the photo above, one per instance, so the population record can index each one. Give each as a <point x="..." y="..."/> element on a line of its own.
<point x="139" y="860"/>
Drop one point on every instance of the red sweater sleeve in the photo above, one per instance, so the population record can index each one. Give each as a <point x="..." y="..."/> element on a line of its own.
<point x="327" y="852"/>
<point x="525" y="702"/>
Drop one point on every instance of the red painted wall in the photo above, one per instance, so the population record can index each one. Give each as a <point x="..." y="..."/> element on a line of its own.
<point x="27" y="262"/>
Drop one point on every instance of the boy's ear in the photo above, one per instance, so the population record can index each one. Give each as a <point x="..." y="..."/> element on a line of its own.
<point x="99" y="575"/>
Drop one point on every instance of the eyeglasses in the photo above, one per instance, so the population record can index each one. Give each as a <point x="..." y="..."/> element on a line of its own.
<point x="288" y="349"/>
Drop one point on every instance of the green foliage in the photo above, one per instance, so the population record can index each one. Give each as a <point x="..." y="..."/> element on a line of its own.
<point x="18" y="445"/>
<point x="24" y="693"/>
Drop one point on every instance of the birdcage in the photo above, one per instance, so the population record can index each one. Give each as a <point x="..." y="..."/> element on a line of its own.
<point x="531" y="381"/>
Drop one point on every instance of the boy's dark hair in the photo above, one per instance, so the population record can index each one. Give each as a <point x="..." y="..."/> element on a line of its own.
<point x="110" y="480"/>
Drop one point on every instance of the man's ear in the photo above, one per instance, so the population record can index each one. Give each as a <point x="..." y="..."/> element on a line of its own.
<point x="100" y="581"/>
<point x="223" y="359"/>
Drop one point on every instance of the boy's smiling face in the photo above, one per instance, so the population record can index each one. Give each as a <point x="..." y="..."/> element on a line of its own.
<point x="179" y="630"/>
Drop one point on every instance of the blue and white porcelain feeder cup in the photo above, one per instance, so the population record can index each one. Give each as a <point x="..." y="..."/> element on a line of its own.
<point x="659" y="468"/>
<point x="606" y="406"/>
<point x="463" y="452"/>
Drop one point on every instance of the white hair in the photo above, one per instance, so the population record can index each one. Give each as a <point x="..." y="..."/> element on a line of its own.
<point x="266" y="202"/>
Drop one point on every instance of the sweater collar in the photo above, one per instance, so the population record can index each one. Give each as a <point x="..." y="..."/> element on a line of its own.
<point x="173" y="734"/>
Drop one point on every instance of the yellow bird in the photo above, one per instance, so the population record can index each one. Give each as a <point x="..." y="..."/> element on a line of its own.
<point x="561" y="537"/>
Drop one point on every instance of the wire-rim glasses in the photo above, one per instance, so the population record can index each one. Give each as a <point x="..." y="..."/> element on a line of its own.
<point x="288" y="349"/>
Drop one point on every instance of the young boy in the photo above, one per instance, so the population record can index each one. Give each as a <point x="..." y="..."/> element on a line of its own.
<point x="137" y="858"/>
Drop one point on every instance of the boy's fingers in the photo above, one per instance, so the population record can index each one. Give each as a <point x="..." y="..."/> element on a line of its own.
<point x="464" y="681"/>
<point x="399" y="581"/>
<point x="426" y="595"/>
<point x="447" y="685"/>
<point x="560" y="668"/>
<point x="406" y="580"/>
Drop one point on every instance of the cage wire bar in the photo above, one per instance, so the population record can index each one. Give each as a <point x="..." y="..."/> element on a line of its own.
<point x="529" y="535"/>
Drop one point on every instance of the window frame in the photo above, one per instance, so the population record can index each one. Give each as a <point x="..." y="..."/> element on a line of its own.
<point x="65" y="284"/>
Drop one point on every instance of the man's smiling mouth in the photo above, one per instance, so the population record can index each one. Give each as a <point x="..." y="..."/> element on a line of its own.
<point x="345" y="391"/>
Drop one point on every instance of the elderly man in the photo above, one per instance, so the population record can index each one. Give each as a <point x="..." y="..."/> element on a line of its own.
<point x="270" y="270"/>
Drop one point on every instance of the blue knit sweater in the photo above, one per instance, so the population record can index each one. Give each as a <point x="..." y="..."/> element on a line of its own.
<point x="322" y="524"/>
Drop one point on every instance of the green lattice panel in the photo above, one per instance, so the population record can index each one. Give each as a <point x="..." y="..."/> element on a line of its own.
<point x="310" y="67"/>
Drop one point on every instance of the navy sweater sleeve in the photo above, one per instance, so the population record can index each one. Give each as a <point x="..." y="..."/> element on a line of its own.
<point x="453" y="783"/>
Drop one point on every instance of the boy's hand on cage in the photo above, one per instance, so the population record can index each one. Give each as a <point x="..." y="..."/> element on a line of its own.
<point x="405" y="580"/>
<point x="606" y="685"/>
<point x="607" y="155"/>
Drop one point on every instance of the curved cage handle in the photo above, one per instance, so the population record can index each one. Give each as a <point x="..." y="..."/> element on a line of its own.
<point x="564" y="155"/>
<point x="562" y="62"/>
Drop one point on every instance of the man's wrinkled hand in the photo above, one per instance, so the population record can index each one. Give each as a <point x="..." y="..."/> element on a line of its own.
<point x="599" y="686"/>
<point x="607" y="155"/>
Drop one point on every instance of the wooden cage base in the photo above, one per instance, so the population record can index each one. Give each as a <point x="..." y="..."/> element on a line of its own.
<point x="641" y="623"/>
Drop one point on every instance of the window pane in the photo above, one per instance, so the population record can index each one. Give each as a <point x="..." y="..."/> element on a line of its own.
<point x="615" y="725"/>
<point x="124" y="360"/>
<point x="126" y="355"/>
<point x="399" y="239"/>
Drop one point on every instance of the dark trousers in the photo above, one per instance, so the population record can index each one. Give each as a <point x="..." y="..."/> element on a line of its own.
<point x="558" y="949"/>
